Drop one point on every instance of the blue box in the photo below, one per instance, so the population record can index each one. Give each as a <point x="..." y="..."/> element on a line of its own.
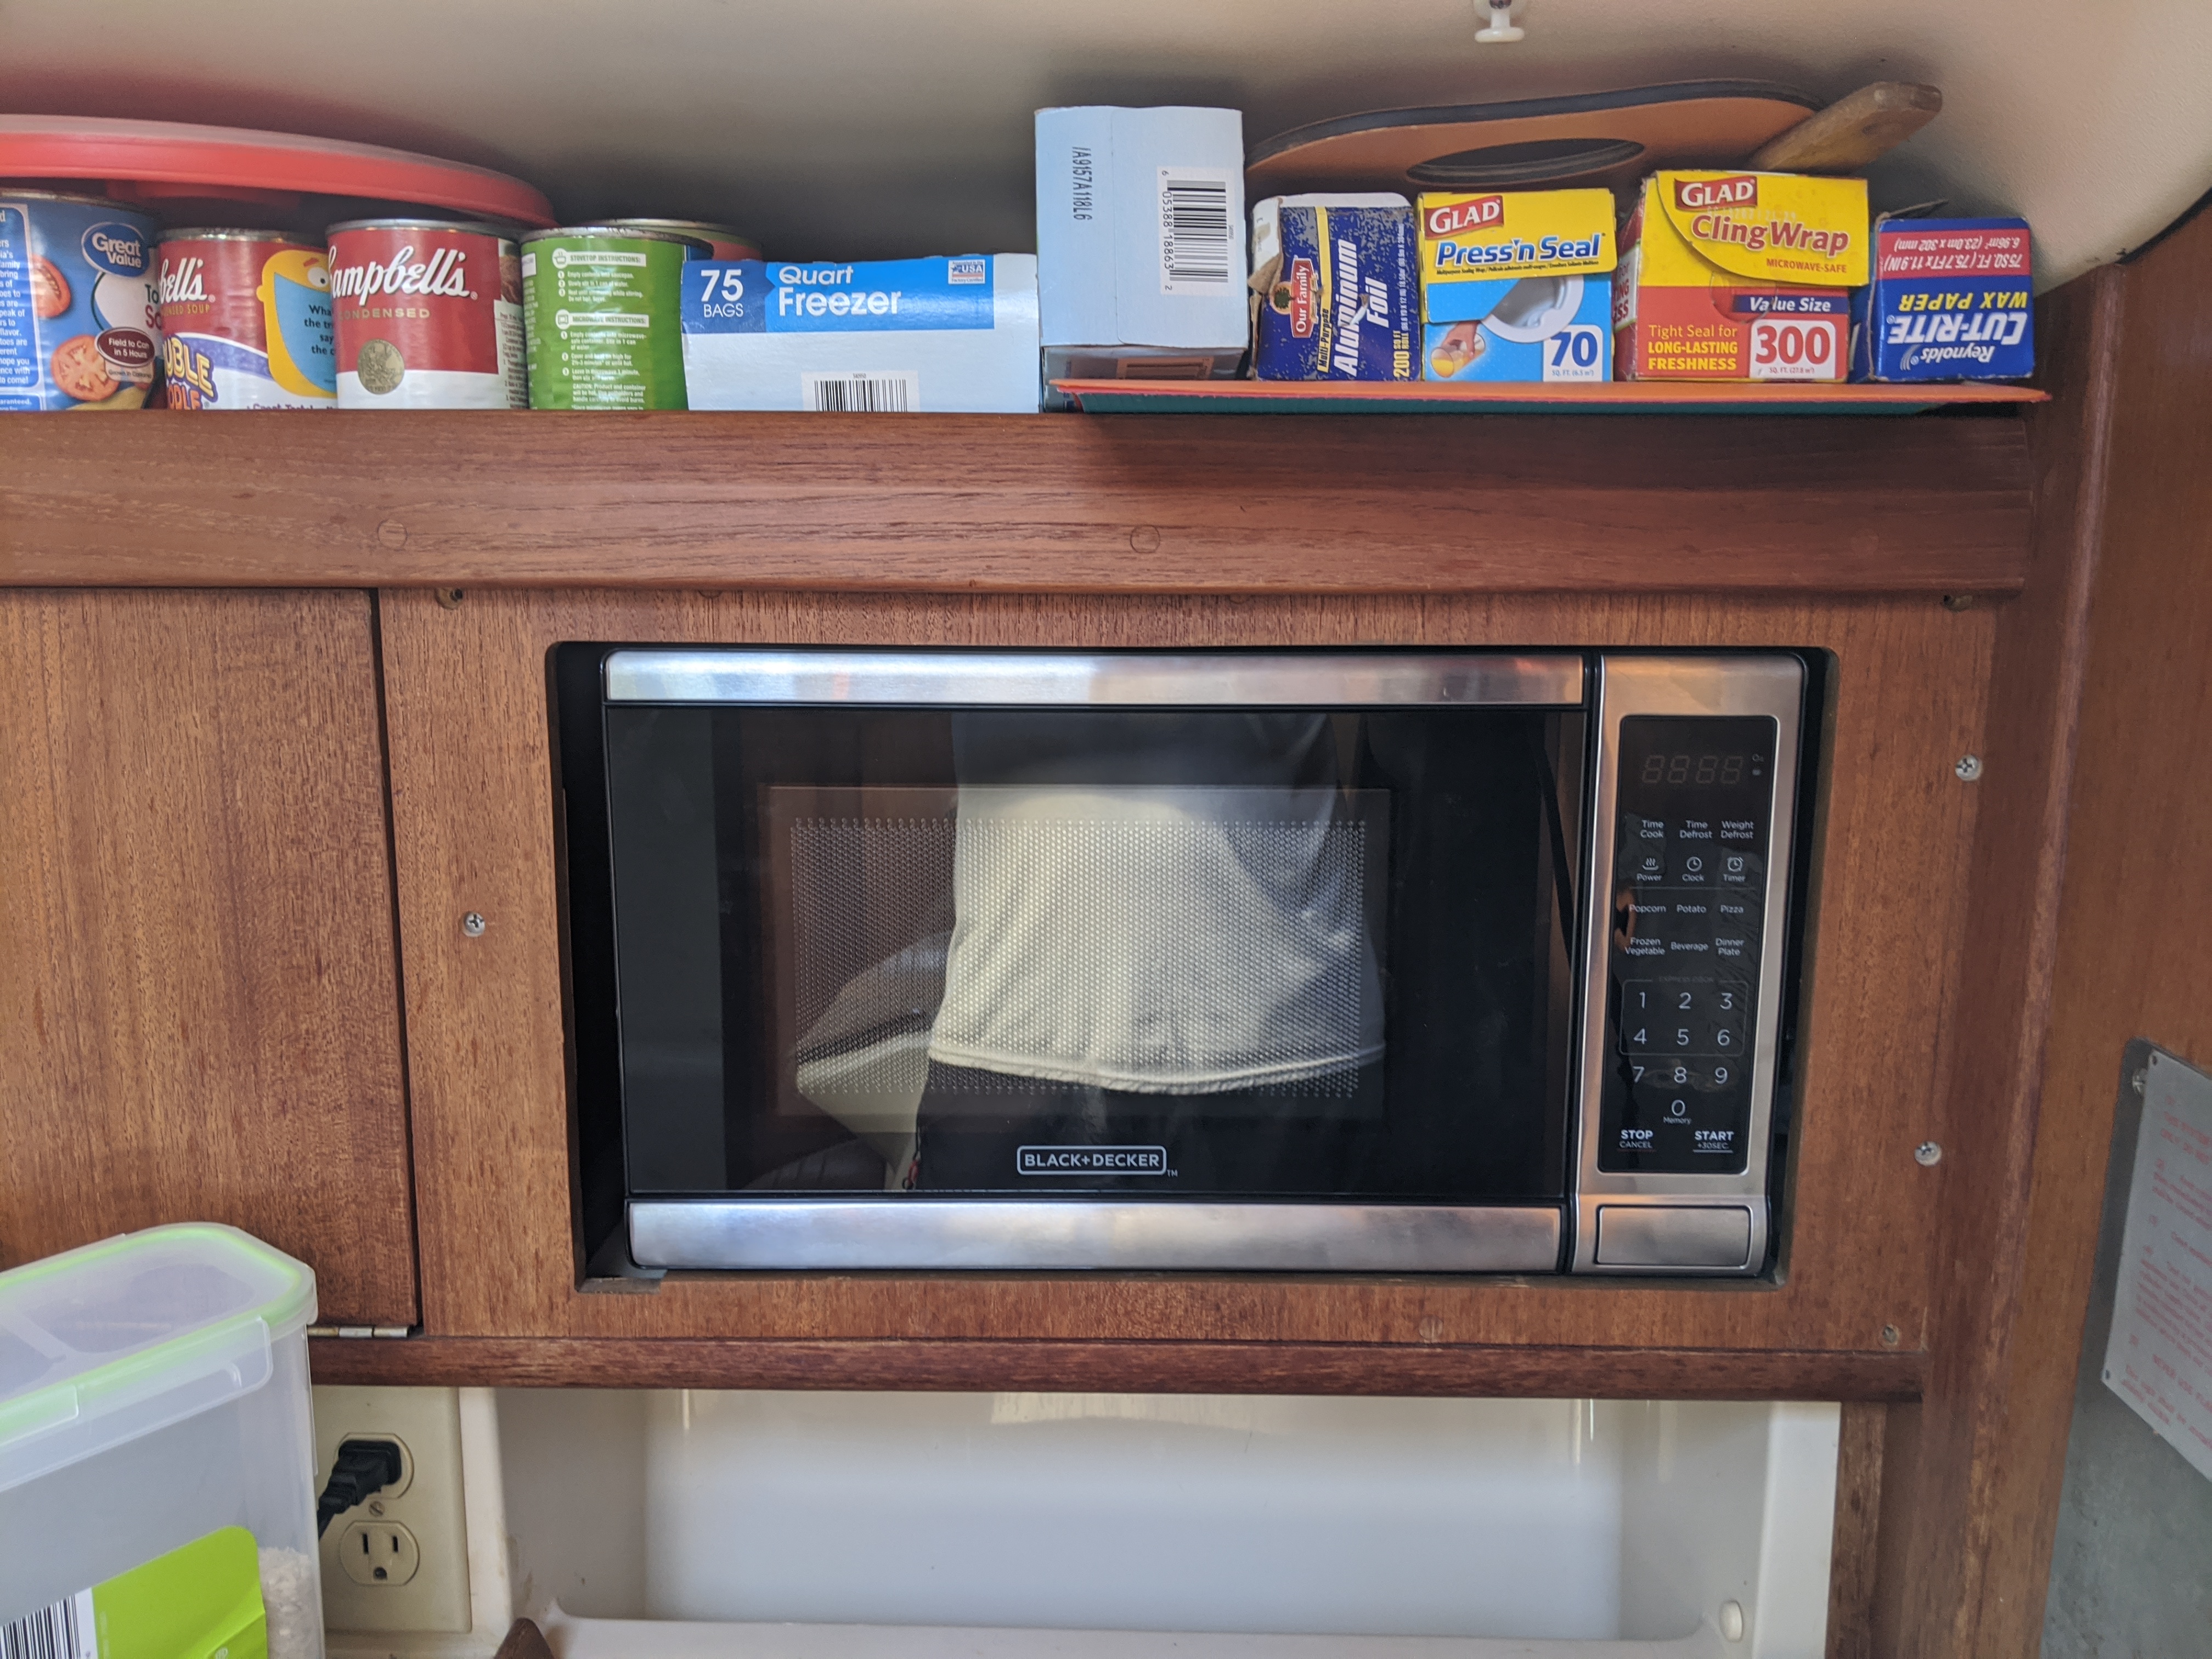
<point x="1527" y="328"/>
<point x="951" y="336"/>
<point x="1337" y="287"/>
<point x="1951" y="300"/>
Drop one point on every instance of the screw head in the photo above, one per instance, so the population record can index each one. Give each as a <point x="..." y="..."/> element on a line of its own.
<point x="449" y="598"/>
<point x="1889" y="1336"/>
<point x="472" y="925"/>
<point x="1928" y="1154"/>
<point x="1969" y="768"/>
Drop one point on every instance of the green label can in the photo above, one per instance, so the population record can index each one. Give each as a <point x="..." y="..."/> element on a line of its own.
<point x="601" y="308"/>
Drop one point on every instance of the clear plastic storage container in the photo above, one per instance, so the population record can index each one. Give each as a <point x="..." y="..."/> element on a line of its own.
<point x="156" y="1450"/>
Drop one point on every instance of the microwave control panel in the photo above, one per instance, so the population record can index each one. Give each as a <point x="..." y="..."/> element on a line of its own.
<point x="1693" y="800"/>
<point x="1694" y="788"/>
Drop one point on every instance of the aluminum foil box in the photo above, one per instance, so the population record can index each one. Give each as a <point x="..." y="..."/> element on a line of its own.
<point x="1335" y="288"/>
<point x="1951" y="300"/>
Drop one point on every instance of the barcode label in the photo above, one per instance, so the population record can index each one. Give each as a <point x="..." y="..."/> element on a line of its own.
<point x="1196" y="243"/>
<point x="63" y="1631"/>
<point x="897" y="392"/>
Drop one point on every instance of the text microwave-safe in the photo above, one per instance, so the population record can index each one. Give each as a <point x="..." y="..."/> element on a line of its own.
<point x="1375" y="961"/>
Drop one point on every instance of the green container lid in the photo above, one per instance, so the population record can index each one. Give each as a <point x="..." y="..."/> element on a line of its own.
<point x="102" y="1345"/>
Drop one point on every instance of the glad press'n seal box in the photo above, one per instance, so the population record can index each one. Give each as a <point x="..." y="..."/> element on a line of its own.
<point x="1517" y="285"/>
<point x="1335" y="288"/>
<point x="1739" y="276"/>
<point x="1951" y="300"/>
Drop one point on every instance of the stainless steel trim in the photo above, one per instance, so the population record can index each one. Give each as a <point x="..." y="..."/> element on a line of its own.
<point x="1058" y="678"/>
<point x="1673" y="1235"/>
<point x="1683" y="685"/>
<point x="1077" y="1231"/>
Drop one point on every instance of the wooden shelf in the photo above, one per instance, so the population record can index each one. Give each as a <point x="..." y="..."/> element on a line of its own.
<point x="1225" y="504"/>
<point x="1455" y="1369"/>
<point x="1557" y="397"/>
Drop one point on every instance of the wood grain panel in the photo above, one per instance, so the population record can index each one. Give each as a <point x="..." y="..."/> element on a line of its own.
<point x="1853" y="1555"/>
<point x="197" y="976"/>
<point x="1946" y="1587"/>
<point x="961" y="503"/>
<point x="2135" y="934"/>
<point x="474" y="823"/>
<point x="1458" y="1370"/>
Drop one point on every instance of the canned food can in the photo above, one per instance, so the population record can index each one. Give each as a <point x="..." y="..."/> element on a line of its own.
<point x="246" y="321"/>
<point x="429" y="315"/>
<point x="602" y="309"/>
<point x="726" y="241"/>
<point x="80" y="324"/>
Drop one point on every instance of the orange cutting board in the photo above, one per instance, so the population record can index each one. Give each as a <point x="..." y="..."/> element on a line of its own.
<point x="1600" y="138"/>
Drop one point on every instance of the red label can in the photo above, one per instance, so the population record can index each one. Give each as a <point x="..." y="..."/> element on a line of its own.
<point x="429" y="315"/>
<point x="246" y="321"/>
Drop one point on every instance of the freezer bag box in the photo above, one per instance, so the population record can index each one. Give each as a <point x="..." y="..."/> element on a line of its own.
<point x="1739" y="276"/>
<point x="949" y="336"/>
<point x="1951" y="300"/>
<point x="1335" y="288"/>
<point x="1141" y="242"/>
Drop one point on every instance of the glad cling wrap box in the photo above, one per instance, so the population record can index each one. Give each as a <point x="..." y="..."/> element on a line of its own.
<point x="1516" y="285"/>
<point x="1739" y="276"/>
<point x="1950" y="300"/>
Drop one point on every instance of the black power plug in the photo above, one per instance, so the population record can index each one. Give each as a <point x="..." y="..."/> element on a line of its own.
<point x="364" y="1468"/>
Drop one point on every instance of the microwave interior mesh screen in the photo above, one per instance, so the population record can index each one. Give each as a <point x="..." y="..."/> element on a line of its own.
<point x="1178" y="941"/>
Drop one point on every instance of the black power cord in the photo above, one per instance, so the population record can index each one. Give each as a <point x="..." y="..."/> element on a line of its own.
<point x="364" y="1468"/>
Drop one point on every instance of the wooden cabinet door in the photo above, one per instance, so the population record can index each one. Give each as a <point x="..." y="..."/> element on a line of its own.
<point x="199" y="1010"/>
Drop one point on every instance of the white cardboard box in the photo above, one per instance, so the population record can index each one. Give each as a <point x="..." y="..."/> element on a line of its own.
<point x="1141" y="242"/>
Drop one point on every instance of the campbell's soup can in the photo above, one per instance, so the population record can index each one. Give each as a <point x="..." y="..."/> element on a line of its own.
<point x="726" y="241"/>
<point x="602" y="308"/>
<point x="246" y="321"/>
<point x="80" y="323"/>
<point x="428" y="314"/>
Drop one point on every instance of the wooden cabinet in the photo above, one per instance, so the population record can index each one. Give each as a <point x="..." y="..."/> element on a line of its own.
<point x="198" y="978"/>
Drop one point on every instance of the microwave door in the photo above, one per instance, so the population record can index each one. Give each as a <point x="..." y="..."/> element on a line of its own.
<point x="1038" y="960"/>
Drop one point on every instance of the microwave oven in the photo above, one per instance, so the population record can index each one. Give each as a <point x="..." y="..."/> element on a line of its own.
<point x="1299" y="961"/>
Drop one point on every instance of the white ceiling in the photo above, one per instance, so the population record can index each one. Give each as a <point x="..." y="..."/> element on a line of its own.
<point x="840" y="128"/>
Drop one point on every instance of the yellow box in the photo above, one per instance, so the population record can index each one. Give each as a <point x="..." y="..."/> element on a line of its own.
<point x="1480" y="237"/>
<point x="1763" y="226"/>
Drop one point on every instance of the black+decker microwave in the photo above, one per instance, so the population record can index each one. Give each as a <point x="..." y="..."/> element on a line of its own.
<point x="1461" y="962"/>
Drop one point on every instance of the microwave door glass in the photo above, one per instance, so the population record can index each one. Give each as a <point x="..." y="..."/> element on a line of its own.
<point x="1155" y="952"/>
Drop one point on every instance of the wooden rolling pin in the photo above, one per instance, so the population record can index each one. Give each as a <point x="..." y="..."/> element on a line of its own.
<point x="1852" y="131"/>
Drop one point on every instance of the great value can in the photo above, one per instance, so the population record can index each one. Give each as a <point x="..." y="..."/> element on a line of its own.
<point x="80" y="325"/>
<point x="428" y="314"/>
<point x="726" y="241"/>
<point x="246" y="321"/>
<point x="603" y="308"/>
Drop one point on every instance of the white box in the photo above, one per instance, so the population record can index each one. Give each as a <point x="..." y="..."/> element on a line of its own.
<point x="1141" y="242"/>
<point x="153" y="1393"/>
<point x="947" y="336"/>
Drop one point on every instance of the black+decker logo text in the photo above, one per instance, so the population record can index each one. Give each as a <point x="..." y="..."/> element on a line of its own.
<point x="1091" y="1160"/>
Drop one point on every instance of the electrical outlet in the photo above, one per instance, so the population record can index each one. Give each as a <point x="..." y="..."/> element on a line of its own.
<point x="399" y="1561"/>
<point x="379" y="1554"/>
